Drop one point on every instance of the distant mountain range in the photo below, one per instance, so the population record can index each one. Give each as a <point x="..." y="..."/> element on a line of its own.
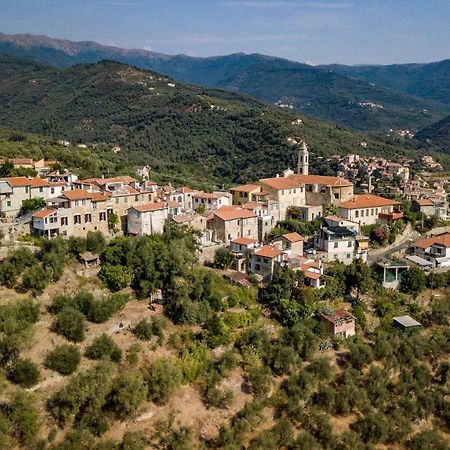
<point x="209" y="135"/>
<point x="368" y="98"/>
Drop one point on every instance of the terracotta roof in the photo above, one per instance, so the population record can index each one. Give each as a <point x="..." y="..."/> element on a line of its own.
<point x="77" y="194"/>
<point x="58" y="183"/>
<point x="44" y="213"/>
<point x="338" y="314"/>
<point x="312" y="275"/>
<point x="173" y="204"/>
<point x="282" y="183"/>
<point x="442" y="239"/>
<point x="26" y="181"/>
<point x="102" y="181"/>
<point x="293" y="237"/>
<point x="268" y="251"/>
<point x="320" y="179"/>
<point x="98" y="197"/>
<point x="244" y="241"/>
<point x="254" y="205"/>
<point x="208" y="195"/>
<point x="367" y="201"/>
<point x="149" y="207"/>
<point x="185" y="190"/>
<point x="425" y="202"/>
<point x="245" y="188"/>
<point x="234" y="214"/>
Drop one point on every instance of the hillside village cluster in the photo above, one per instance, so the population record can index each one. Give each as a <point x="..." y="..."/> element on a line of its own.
<point x="240" y="219"/>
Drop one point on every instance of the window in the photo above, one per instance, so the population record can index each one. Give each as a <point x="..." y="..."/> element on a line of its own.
<point x="102" y="216"/>
<point x="282" y="192"/>
<point x="52" y="190"/>
<point x="76" y="202"/>
<point x="117" y="199"/>
<point x="257" y="267"/>
<point x="77" y="219"/>
<point x="27" y="189"/>
<point x="8" y="203"/>
<point x="362" y="213"/>
<point x="266" y="261"/>
<point x="350" y="244"/>
<point x="87" y="218"/>
<point x="356" y="214"/>
<point x="83" y="202"/>
<point x="336" y="244"/>
<point x="136" y="198"/>
<point x="64" y="221"/>
<point x="349" y="256"/>
<point x="372" y="212"/>
<point x="336" y="195"/>
<point x="41" y="189"/>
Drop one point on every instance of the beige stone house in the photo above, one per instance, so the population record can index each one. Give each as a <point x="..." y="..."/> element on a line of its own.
<point x="14" y="190"/>
<point x="265" y="261"/>
<point x="74" y="213"/>
<point x="369" y="209"/>
<point x="289" y="243"/>
<point x="150" y="218"/>
<point x="229" y="223"/>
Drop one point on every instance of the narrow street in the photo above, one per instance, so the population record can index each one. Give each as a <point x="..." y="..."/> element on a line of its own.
<point x="402" y="242"/>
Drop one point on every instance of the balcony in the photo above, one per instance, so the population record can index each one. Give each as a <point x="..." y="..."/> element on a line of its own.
<point x="395" y="215"/>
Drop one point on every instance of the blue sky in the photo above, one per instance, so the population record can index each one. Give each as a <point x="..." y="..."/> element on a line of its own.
<point x="312" y="31"/>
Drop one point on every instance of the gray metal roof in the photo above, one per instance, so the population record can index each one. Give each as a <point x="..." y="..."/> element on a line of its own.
<point x="407" y="321"/>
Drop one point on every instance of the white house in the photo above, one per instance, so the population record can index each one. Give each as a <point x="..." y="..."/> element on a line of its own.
<point x="369" y="209"/>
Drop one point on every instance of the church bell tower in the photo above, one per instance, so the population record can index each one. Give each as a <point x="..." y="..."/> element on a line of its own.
<point x="303" y="159"/>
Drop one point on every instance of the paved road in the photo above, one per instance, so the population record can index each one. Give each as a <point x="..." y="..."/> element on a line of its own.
<point x="403" y="241"/>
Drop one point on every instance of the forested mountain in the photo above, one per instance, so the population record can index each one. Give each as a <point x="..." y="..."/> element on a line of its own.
<point x="309" y="90"/>
<point x="176" y="128"/>
<point x="431" y="81"/>
<point x="437" y="134"/>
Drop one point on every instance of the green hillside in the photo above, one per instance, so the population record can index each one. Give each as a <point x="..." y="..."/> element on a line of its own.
<point x="313" y="91"/>
<point x="437" y="135"/>
<point x="180" y="130"/>
<point x="430" y="81"/>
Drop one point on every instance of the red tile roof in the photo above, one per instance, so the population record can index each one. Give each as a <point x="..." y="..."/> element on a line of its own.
<point x="442" y="239"/>
<point x="149" y="207"/>
<point x="208" y="195"/>
<point x="234" y="214"/>
<point x="293" y="237"/>
<point x="367" y="201"/>
<point x="322" y="180"/>
<point x="246" y="188"/>
<point x="269" y="251"/>
<point x="244" y="241"/>
<point x="425" y="202"/>
<point x="44" y="213"/>
<point x="26" y="181"/>
<point x="281" y="183"/>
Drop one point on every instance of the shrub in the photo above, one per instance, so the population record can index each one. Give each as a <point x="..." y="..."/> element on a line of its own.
<point x="24" y="418"/>
<point x="70" y="323"/>
<point x="31" y="204"/>
<point x="116" y="277"/>
<point x="63" y="359"/>
<point x="103" y="347"/>
<point x="8" y="274"/>
<point x="95" y="241"/>
<point x="127" y="394"/>
<point x="163" y="378"/>
<point x="413" y="281"/>
<point x="24" y="372"/>
<point x="145" y="329"/>
<point x="101" y="310"/>
<point x="36" y="278"/>
<point x="223" y="258"/>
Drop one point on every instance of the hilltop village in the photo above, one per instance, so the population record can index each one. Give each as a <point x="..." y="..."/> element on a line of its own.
<point x="257" y="223"/>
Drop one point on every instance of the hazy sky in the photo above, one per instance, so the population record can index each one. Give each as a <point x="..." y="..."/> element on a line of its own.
<point x="313" y="31"/>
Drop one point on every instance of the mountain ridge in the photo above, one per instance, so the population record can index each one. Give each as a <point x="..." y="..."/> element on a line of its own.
<point x="294" y="84"/>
